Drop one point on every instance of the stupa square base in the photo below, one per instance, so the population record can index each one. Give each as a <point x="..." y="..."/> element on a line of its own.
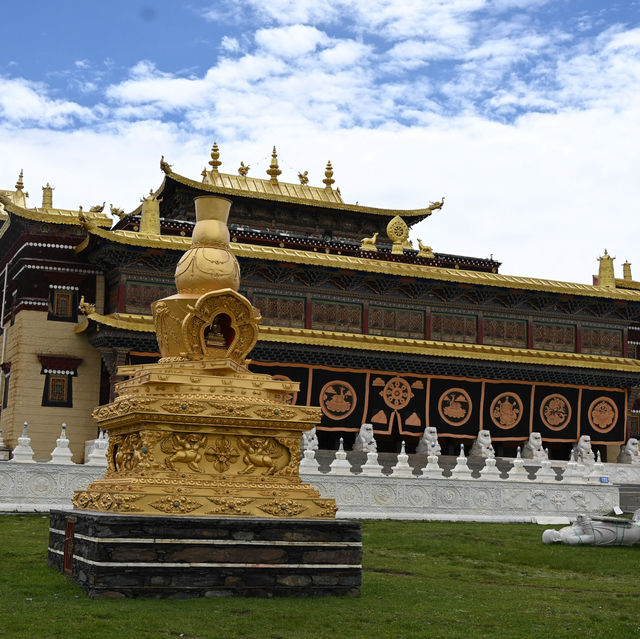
<point x="180" y="557"/>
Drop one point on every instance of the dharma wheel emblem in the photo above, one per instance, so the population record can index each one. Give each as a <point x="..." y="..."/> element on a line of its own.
<point x="454" y="406"/>
<point x="603" y="414"/>
<point x="506" y="410"/>
<point x="555" y="411"/>
<point x="397" y="393"/>
<point x="338" y="399"/>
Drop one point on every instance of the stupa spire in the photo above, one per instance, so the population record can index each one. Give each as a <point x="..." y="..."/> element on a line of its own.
<point x="215" y="155"/>
<point x="274" y="171"/>
<point x="328" y="179"/>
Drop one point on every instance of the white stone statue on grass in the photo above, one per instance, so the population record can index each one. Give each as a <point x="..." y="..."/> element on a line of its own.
<point x="429" y="442"/>
<point x="365" y="441"/>
<point x="629" y="453"/>
<point x="583" y="451"/>
<point x="310" y="439"/>
<point x="532" y="448"/>
<point x="482" y="446"/>
<point x="596" y="531"/>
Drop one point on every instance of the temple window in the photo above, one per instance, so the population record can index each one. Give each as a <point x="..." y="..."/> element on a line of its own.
<point x="498" y="331"/>
<point x="396" y="322"/>
<point x="58" y="372"/>
<point x="281" y="310"/>
<point x="328" y="315"/>
<point x="63" y="303"/>
<point x="554" y="337"/>
<point x="450" y="327"/>
<point x="601" y="341"/>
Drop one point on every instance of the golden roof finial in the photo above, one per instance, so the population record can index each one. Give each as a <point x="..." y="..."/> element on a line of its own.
<point x="626" y="271"/>
<point x="215" y="154"/>
<point x="304" y="177"/>
<point x="328" y="180"/>
<point x="273" y="171"/>
<point x="243" y="169"/>
<point x="20" y="183"/>
<point x="606" y="276"/>
<point x="47" y="197"/>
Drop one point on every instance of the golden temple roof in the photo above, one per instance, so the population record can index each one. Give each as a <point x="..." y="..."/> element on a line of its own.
<point x="273" y="189"/>
<point x="16" y="203"/>
<point x="144" y="323"/>
<point x="238" y="185"/>
<point x="401" y="269"/>
<point x="267" y="188"/>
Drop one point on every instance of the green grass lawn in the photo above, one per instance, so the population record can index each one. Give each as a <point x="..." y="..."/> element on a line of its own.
<point x="420" y="579"/>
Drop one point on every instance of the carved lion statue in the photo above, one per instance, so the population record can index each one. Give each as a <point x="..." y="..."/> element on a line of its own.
<point x="532" y="448"/>
<point x="365" y="441"/>
<point x="629" y="453"/>
<point x="482" y="446"/>
<point x="582" y="450"/>
<point x="429" y="442"/>
<point x="309" y="440"/>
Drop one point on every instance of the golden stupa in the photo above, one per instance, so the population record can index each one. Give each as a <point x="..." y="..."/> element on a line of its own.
<point x="198" y="433"/>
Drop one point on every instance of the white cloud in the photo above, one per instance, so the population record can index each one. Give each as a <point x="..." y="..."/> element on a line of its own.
<point x="346" y="53"/>
<point x="23" y="101"/>
<point x="410" y="100"/>
<point x="229" y="44"/>
<point x="290" y="42"/>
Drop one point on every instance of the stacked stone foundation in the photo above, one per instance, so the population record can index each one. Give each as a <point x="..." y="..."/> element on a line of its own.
<point x="168" y="557"/>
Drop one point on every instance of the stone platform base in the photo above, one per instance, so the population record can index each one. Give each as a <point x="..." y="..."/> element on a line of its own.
<point x="180" y="557"/>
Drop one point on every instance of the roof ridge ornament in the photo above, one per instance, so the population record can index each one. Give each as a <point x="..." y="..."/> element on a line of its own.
<point x="165" y="167"/>
<point x="328" y="180"/>
<point x="606" y="276"/>
<point x="116" y="211"/>
<point x="274" y="171"/>
<point x="47" y="197"/>
<point x="20" y="184"/>
<point x="215" y="155"/>
<point x="398" y="233"/>
<point x="243" y="169"/>
<point x="150" y="215"/>
<point x="304" y="178"/>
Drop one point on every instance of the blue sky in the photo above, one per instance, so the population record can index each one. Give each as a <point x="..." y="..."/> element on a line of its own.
<point x="524" y="113"/>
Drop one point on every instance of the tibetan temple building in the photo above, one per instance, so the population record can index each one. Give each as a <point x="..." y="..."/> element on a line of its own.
<point x="370" y="328"/>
